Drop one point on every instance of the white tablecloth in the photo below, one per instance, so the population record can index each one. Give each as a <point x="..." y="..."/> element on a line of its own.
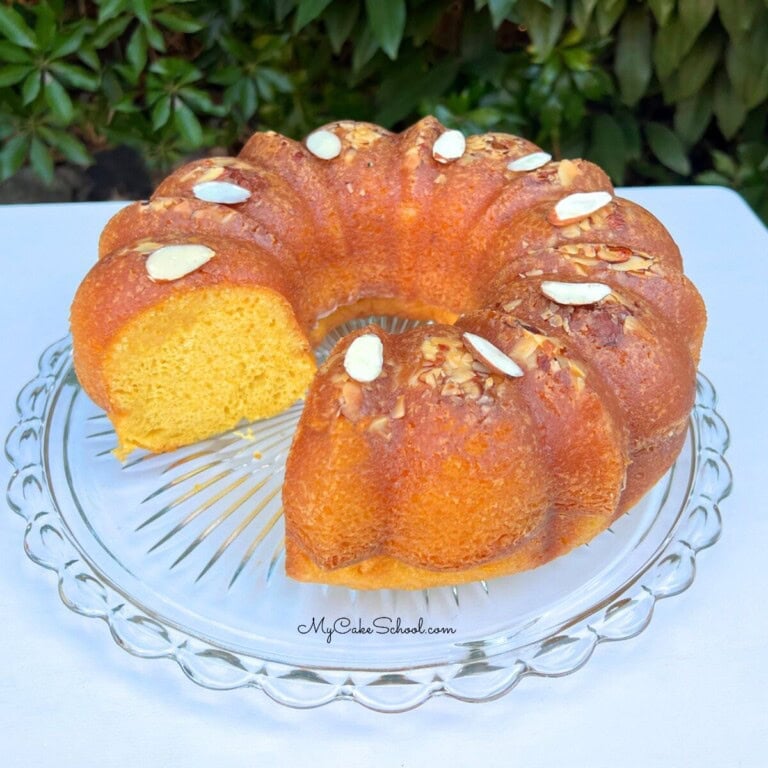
<point x="692" y="689"/>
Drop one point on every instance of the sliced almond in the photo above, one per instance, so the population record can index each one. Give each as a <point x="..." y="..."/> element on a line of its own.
<point x="577" y="369"/>
<point x="575" y="293"/>
<point x="462" y="375"/>
<point x="381" y="425"/>
<point x="398" y="409"/>
<point x="613" y="254"/>
<point x="209" y="174"/>
<point x="492" y="356"/>
<point x="632" y="264"/>
<point x="567" y="172"/>
<point x="529" y="162"/>
<point x="511" y="306"/>
<point x="364" y="358"/>
<point x="449" y="146"/>
<point x="324" y="144"/>
<point x="174" y="261"/>
<point x="147" y="246"/>
<point x="351" y="400"/>
<point x="526" y="348"/>
<point x="578" y="206"/>
<point x="223" y="192"/>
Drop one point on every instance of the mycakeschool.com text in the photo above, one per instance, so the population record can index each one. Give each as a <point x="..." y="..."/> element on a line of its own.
<point x="381" y="625"/>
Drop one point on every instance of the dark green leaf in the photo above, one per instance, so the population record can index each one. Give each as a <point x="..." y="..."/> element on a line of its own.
<point x="265" y="87"/>
<point x="572" y="101"/>
<point x="242" y="96"/>
<point x="500" y="9"/>
<point x="692" y="115"/>
<point x="662" y="10"/>
<point x="283" y="8"/>
<point x="106" y="33"/>
<point x="633" y="140"/>
<point x="386" y="21"/>
<point x="730" y="110"/>
<point x="279" y="80"/>
<point x="89" y="56"/>
<point x="307" y="11"/>
<point x="543" y="24"/>
<point x="41" y="160"/>
<point x="71" y="148"/>
<point x="339" y="22"/>
<point x="668" y="148"/>
<point x="75" y="76"/>
<point x="235" y="48"/>
<point x="747" y="65"/>
<point x="155" y="87"/>
<point x="752" y="154"/>
<point x="366" y="46"/>
<point x="608" y="15"/>
<point x="675" y="40"/>
<point x="126" y="73"/>
<point x="13" y="73"/>
<point x="581" y="13"/>
<point x="695" y="69"/>
<point x="136" y="51"/>
<point x="31" y="88"/>
<point x="13" y="155"/>
<point x="608" y="147"/>
<point x="551" y="116"/>
<point x="543" y="82"/>
<point x="143" y="10"/>
<point x="161" y="112"/>
<point x="226" y="75"/>
<point x="155" y="38"/>
<point x="712" y="177"/>
<point x="577" y="59"/>
<point x="737" y="16"/>
<point x="58" y="99"/>
<point x="111" y="87"/>
<point x="127" y="105"/>
<point x="633" y="55"/>
<point x="12" y="54"/>
<point x="400" y="94"/>
<point x="178" y="21"/>
<point x="13" y="26"/>
<point x="433" y="22"/>
<point x="68" y="44"/>
<point x="669" y="47"/>
<point x="200" y="101"/>
<point x="187" y="124"/>
<point x="175" y="69"/>
<point x="108" y="9"/>
<point x="594" y="85"/>
<point x="695" y="15"/>
<point x="724" y="163"/>
<point x="45" y="26"/>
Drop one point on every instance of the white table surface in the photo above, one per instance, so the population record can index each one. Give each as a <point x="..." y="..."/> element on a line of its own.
<point x="692" y="689"/>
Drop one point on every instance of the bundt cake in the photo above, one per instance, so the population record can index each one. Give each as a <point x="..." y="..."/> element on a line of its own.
<point x="551" y="390"/>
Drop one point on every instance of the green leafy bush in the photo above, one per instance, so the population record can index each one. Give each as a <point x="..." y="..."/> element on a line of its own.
<point x="665" y="91"/>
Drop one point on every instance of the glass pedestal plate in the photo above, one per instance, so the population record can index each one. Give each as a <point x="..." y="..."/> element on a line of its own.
<point x="181" y="554"/>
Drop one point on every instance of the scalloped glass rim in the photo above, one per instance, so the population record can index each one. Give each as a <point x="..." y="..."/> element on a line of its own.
<point x="683" y="516"/>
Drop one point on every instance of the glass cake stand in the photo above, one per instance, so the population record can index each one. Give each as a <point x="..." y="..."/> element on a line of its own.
<point x="181" y="554"/>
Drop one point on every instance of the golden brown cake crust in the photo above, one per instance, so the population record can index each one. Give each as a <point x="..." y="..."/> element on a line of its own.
<point x="442" y="468"/>
<point x="117" y="290"/>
